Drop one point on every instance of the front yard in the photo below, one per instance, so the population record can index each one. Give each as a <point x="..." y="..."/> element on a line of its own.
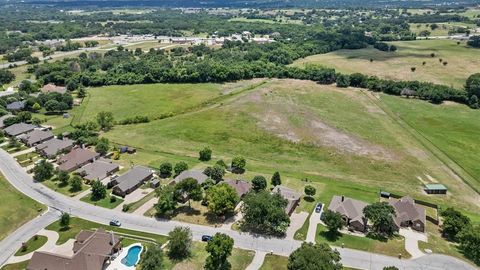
<point x="57" y="186"/>
<point x="106" y="202"/>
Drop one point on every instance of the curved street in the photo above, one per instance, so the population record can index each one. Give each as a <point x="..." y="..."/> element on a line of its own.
<point x="17" y="176"/>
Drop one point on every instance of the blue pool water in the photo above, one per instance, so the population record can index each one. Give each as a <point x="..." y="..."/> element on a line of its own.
<point x="133" y="256"/>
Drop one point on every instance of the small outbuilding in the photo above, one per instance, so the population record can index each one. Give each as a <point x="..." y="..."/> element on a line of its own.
<point x="435" y="189"/>
<point x="155" y="183"/>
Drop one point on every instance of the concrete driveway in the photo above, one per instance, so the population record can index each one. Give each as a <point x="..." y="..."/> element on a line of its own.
<point x="312" y="228"/>
<point x="296" y="222"/>
<point x="411" y="241"/>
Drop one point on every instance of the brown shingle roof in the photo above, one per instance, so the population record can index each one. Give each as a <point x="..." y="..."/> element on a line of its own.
<point x="76" y="158"/>
<point x="36" y="136"/>
<point x="17" y="129"/>
<point x="350" y="208"/>
<point x="98" y="170"/>
<point x="290" y="195"/>
<point x="133" y="177"/>
<point x="407" y="210"/>
<point x="195" y="174"/>
<point x="52" y="88"/>
<point x="242" y="187"/>
<point x="53" y="146"/>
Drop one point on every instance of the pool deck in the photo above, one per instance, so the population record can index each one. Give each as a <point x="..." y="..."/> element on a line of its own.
<point x="117" y="263"/>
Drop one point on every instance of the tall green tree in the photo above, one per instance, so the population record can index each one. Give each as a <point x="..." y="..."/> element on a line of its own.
<point x="205" y="154"/>
<point x="472" y="85"/>
<point x="63" y="177"/>
<point x="220" y="248"/>
<point x="102" y="147"/>
<point x="99" y="190"/>
<point x="65" y="220"/>
<point x="76" y="183"/>
<point x="310" y="190"/>
<point x="469" y="239"/>
<point x="311" y="256"/>
<point x="180" y="167"/>
<point x="221" y="199"/>
<point x="179" y="243"/>
<point x="165" y="169"/>
<point x="259" y="183"/>
<point x="381" y="214"/>
<point x="276" y="180"/>
<point x="43" y="171"/>
<point x="166" y="201"/>
<point x="153" y="258"/>
<point x="333" y="220"/>
<point x="453" y="223"/>
<point x="238" y="164"/>
<point x="105" y="120"/>
<point x="6" y="76"/>
<point x="191" y="188"/>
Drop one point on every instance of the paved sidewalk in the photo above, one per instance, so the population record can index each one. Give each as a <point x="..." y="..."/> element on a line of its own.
<point x="257" y="261"/>
<point x="29" y="150"/>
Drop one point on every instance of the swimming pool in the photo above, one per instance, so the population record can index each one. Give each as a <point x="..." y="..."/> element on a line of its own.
<point x="133" y="255"/>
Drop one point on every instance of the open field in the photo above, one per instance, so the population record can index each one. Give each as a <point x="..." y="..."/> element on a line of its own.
<point x="304" y="130"/>
<point x="462" y="61"/>
<point x="14" y="215"/>
<point x="152" y="100"/>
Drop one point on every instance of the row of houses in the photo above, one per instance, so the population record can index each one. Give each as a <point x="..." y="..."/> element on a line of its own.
<point x="407" y="213"/>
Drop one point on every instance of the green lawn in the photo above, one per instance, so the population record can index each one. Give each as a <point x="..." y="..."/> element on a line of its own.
<point x="462" y="61"/>
<point x="274" y="262"/>
<point x="152" y="100"/>
<point x="391" y="247"/>
<point x="452" y="128"/>
<point x="15" y="208"/>
<point x="135" y="205"/>
<point x="27" y="159"/>
<point x="16" y="266"/>
<point x="239" y="259"/>
<point x="56" y="185"/>
<point x="105" y="202"/>
<point x="32" y="244"/>
<point x="77" y="224"/>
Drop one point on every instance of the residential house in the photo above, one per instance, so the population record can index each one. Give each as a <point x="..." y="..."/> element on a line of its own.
<point x="195" y="174"/>
<point x="53" y="147"/>
<point x="408" y="213"/>
<point x="91" y="251"/>
<point x="35" y="137"/>
<point x="52" y="88"/>
<point x="242" y="187"/>
<point x="3" y="118"/>
<point x="290" y="195"/>
<point x="131" y="180"/>
<point x="75" y="159"/>
<point x="98" y="170"/>
<point x="18" y="129"/>
<point x="351" y="211"/>
<point x="16" y="106"/>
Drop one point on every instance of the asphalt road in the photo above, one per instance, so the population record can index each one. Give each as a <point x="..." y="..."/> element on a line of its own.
<point x="17" y="176"/>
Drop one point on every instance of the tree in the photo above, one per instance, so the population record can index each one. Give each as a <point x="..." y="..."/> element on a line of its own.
<point x="381" y="215"/>
<point x="76" y="183"/>
<point x="36" y="107"/>
<point x="43" y="171"/>
<point x="276" y="180"/>
<point x="205" y="154"/>
<point x="65" y="220"/>
<point x="265" y="213"/>
<point x="216" y="172"/>
<point x="165" y="169"/>
<point x="238" y="164"/>
<point x="333" y="220"/>
<point x="474" y="41"/>
<point x="99" y="191"/>
<point x="179" y="243"/>
<point x="473" y="102"/>
<point x="259" y="183"/>
<point x="52" y="106"/>
<point x="24" y="116"/>
<point x="390" y="268"/>
<point x="81" y="92"/>
<point x="6" y="76"/>
<point x="102" y="147"/>
<point x="343" y="80"/>
<point x="453" y="223"/>
<point x="221" y="199"/>
<point x="311" y="256"/>
<point x="310" y="190"/>
<point x="469" y="239"/>
<point x="180" y="167"/>
<point x="220" y="248"/>
<point x="63" y="177"/>
<point x="105" y="120"/>
<point x="189" y="187"/>
<point x="472" y="85"/>
<point x="166" y="201"/>
<point x="153" y="258"/>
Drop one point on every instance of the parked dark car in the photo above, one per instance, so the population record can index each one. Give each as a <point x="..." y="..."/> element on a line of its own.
<point x="206" y="238"/>
<point x="318" y="208"/>
<point x="115" y="223"/>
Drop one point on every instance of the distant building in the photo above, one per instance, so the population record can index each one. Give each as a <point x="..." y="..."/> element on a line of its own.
<point x="195" y="174"/>
<point x="53" y="147"/>
<point x="435" y="189"/>
<point x="408" y="213"/>
<point x="131" y="180"/>
<point x="290" y="195"/>
<point x="35" y="137"/>
<point x="18" y="129"/>
<point x="52" y="88"/>
<point x="91" y="251"/>
<point x="75" y="159"/>
<point x="351" y="211"/>
<point x="16" y="106"/>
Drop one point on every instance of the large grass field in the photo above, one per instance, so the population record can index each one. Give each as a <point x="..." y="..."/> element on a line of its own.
<point x="152" y="100"/>
<point x="462" y="61"/>
<point x="14" y="215"/>
<point x="341" y="140"/>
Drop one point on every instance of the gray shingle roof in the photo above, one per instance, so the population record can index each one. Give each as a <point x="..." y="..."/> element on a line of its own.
<point x="98" y="170"/>
<point x="350" y="208"/>
<point x="133" y="177"/>
<point x="290" y="195"/>
<point x="53" y="146"/>
<point x="17" y="105"/>
<point x="17" y="129"/>
<point x="75" y="158"/>
<point x="195" y="174"/>
<point x="36" y="136"/>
